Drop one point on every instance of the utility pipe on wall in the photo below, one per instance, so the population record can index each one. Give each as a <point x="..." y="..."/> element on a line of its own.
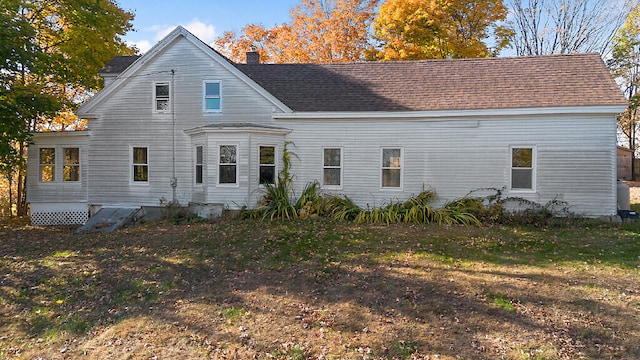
<point x="174" y="180"/>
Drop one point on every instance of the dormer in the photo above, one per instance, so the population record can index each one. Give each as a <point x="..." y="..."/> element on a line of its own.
<point x="115" y="67"/>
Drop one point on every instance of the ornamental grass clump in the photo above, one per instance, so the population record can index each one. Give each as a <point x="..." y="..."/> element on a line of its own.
<point x="416" y="210"/>
<point x="279" y="202"/>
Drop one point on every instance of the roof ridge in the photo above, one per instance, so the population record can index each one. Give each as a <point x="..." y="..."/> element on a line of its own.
<point x="477" y="59"/>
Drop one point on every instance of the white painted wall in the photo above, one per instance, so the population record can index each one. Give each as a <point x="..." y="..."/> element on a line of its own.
<point x="575" y="157"/>
<point x="58" y="191"/>
<point x="126" y="119"/>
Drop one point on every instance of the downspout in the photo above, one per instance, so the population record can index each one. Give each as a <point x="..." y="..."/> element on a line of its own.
<point x="250" y="147"/>
<point x="174" y="180"/>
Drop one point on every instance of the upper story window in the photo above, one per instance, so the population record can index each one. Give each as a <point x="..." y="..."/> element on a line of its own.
<point x="392" y="168"/>
<point x="267" y="164"/>
<point x="47" y="164"/>
<point x="140" y="164"/>
<point x="523" y="161"/>
<point x="332" y="167"/>
<point x="71" y="169"/>
<point x="227" y="165"/>
<point x="161" y="97"/>
<point x="212" y="96"/>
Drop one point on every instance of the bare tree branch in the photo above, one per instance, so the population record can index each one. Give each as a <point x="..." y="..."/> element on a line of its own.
<point x="544" y="27"/>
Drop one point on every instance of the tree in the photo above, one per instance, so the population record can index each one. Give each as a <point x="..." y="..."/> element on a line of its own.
<point x="625" y="66"/>
<point x="319" y="31"/>
<point x="543" y="27"/>
<point x="439" y="29"/>
<point x="267" y="42"/>
<point x="53" y="50"/>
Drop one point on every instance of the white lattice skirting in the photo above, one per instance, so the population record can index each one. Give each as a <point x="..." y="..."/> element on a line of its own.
<point x="59" y="214"/>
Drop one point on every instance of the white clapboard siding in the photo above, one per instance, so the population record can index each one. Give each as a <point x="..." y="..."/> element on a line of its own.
<point x="126" y="119"/>
<point x="58" y="191"/>
<point x="575" y="157"/>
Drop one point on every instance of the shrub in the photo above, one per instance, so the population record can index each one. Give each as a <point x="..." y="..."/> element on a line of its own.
<point x="177" y="214"/>
<point x="277" y="201"/>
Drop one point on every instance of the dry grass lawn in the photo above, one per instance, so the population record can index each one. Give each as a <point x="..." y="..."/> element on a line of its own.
<point x="314" y="289"/>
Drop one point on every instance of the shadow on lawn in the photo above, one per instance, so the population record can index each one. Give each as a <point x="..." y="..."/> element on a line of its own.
<point x="395" y="290"/>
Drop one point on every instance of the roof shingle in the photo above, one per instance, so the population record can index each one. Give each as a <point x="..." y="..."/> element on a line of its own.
<point x="461" y="84"/>
<point x="118" y="64"/>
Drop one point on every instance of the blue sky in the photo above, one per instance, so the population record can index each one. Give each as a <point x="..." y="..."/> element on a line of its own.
<point x="207" y="19"/>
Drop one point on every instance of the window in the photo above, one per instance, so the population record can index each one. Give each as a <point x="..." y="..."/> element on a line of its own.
<point x="522" y="168"/>
<point x="391" y="168"/>
<point x="140" y="164"/>
<point x="199" y="164"/>
<point x="228" y="165"/>
<point x="332" y="167"/>
<point x="212" y="96"/>
<point x="47" y="164"/>
<point x="267" y="165"/>
<point x="161" y="97"/>
<point x="71" y="169"/>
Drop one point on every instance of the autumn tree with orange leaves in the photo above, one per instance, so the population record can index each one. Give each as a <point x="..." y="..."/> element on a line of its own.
<point x="439" y="29"/>
<point x="319" y="31"/>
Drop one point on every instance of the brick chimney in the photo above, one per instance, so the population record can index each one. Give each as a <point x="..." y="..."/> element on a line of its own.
<point x="253" y="57"/>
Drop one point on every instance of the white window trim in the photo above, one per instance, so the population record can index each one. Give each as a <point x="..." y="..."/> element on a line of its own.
<point x="534" y="167"/>
<point x="56" y="157"/>
<point x="131" y="173"/>
<point x="59" y="165"/>
<point x="154" y="104"/>
<point x="388" y="188"/>
<point x="79" y="165"/>
<point x="204" y="97"/>
<point x="237" y="183"/>
<point x="275" y="162"/>
<point x="195" y="164"/>
<point x="341" y="167"/>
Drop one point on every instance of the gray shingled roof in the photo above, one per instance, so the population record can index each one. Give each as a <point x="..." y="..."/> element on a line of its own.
<point x="461" y="84"/>
<point x="118" y="64"/>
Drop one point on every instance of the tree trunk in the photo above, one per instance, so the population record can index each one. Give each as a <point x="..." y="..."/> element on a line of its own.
<point x="21" y="196"/>
<point x="10" y="181"/>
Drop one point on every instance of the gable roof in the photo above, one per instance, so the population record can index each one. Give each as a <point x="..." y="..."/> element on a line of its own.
<point x="460" y="84"/>
<point x="135" y="65"/>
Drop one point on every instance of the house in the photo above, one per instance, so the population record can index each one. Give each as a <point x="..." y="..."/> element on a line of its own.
<point x="183" y="123"/>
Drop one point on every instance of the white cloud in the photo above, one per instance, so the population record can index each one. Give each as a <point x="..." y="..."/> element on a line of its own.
<point x="143" y="45"/>
<point x="205" y="32"/>
<point x="161" y="31"/>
